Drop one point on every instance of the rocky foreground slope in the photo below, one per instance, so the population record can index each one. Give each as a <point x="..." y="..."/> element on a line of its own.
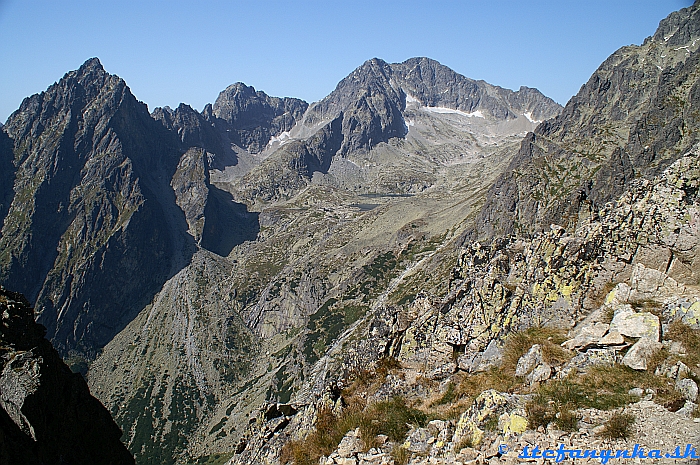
<point x="587" y="339"/>
<point x="48" y="415"/>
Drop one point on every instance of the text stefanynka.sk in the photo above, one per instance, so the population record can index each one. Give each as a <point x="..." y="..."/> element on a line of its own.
<point x="638" y="452"/>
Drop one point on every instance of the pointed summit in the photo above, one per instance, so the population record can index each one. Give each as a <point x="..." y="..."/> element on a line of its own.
<point x="79" y="87"/>
<point x="92" y="74"/>
<point x="252" y="118"/>
<point x="91" y="63"/>
<point x="373" y="97"/>
<point x="88" y="147"/>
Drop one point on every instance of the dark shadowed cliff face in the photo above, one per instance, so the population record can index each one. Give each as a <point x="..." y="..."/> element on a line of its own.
<point x="216" y="222"/>
<point x="635" y="116"/>
<point x="48" y="415"/>
<point x="92" y="230"/>
<point x="7" y="175"/>
<point x="191" y="127"/>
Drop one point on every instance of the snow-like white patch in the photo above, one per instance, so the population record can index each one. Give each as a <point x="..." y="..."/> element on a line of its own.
<point x="283" y="138"/>
<point x="411" y="99"/>
<point x="409" y="123"/>
<point x="686" y="47"/>
<point x="476" y="113"/>
<point x="528" y="115"/>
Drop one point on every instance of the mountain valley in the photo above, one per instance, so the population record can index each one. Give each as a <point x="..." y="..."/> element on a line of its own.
<point x="223" y="278"/>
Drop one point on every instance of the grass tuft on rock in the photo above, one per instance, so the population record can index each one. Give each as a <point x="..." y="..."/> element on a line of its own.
<point x="618" y="426"/>
<point x="689" y="337"/>
<point x="400" y="454"/>
<point x="550" y="339"/>
<point x="391" y="417"/>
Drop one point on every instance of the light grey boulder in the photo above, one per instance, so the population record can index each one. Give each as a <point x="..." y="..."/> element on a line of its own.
<point x="688" y="409"/>
<point x="481" y="361"/>
<point x="675" y="347"/>
<point x="613" y="338"/>
<point x="491" y="356"/>
<point x="419" y="440"/>
<point x="587" y="336"/>
<point x="541" y="373"/>
<point x="647" y="280"/>
<point x="688" y="389"/>
<point x="351" y="444"/>
<point x="618" y="296"/>
<point x="585" y="360"/>
<point x="443" y="371"/>
<point x="636" y="357"/>
<point x="630" y="323"/>
<point x="672" y="370"/>
<point x="529" y="361"/>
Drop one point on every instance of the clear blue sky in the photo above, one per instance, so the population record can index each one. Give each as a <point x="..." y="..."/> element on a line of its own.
<point x="188" y="51"/>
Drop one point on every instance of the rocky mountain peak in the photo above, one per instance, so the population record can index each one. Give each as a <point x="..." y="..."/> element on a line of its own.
<point x="193" y="129"/>
<point x="432" y="85"/>
<point x="436" y="85"/>
<point x="607" y="135"/>
<point x="679" y="27"/>
<point x="91" y="65"/>
<point x="371" y="80"/>
<point x="243" y="107"/>
<point x="371" y="71"/>
<point x="83" y="176"/>
<point x="252" y="117"/>
<point x="91" y="74"/>
<point x="236" y="99"/>
<point x="90" y="85"/>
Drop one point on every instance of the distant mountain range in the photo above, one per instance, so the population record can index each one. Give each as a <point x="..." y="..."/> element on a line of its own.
<point x="195" y="265"/>
<point x="96" y="187"/>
